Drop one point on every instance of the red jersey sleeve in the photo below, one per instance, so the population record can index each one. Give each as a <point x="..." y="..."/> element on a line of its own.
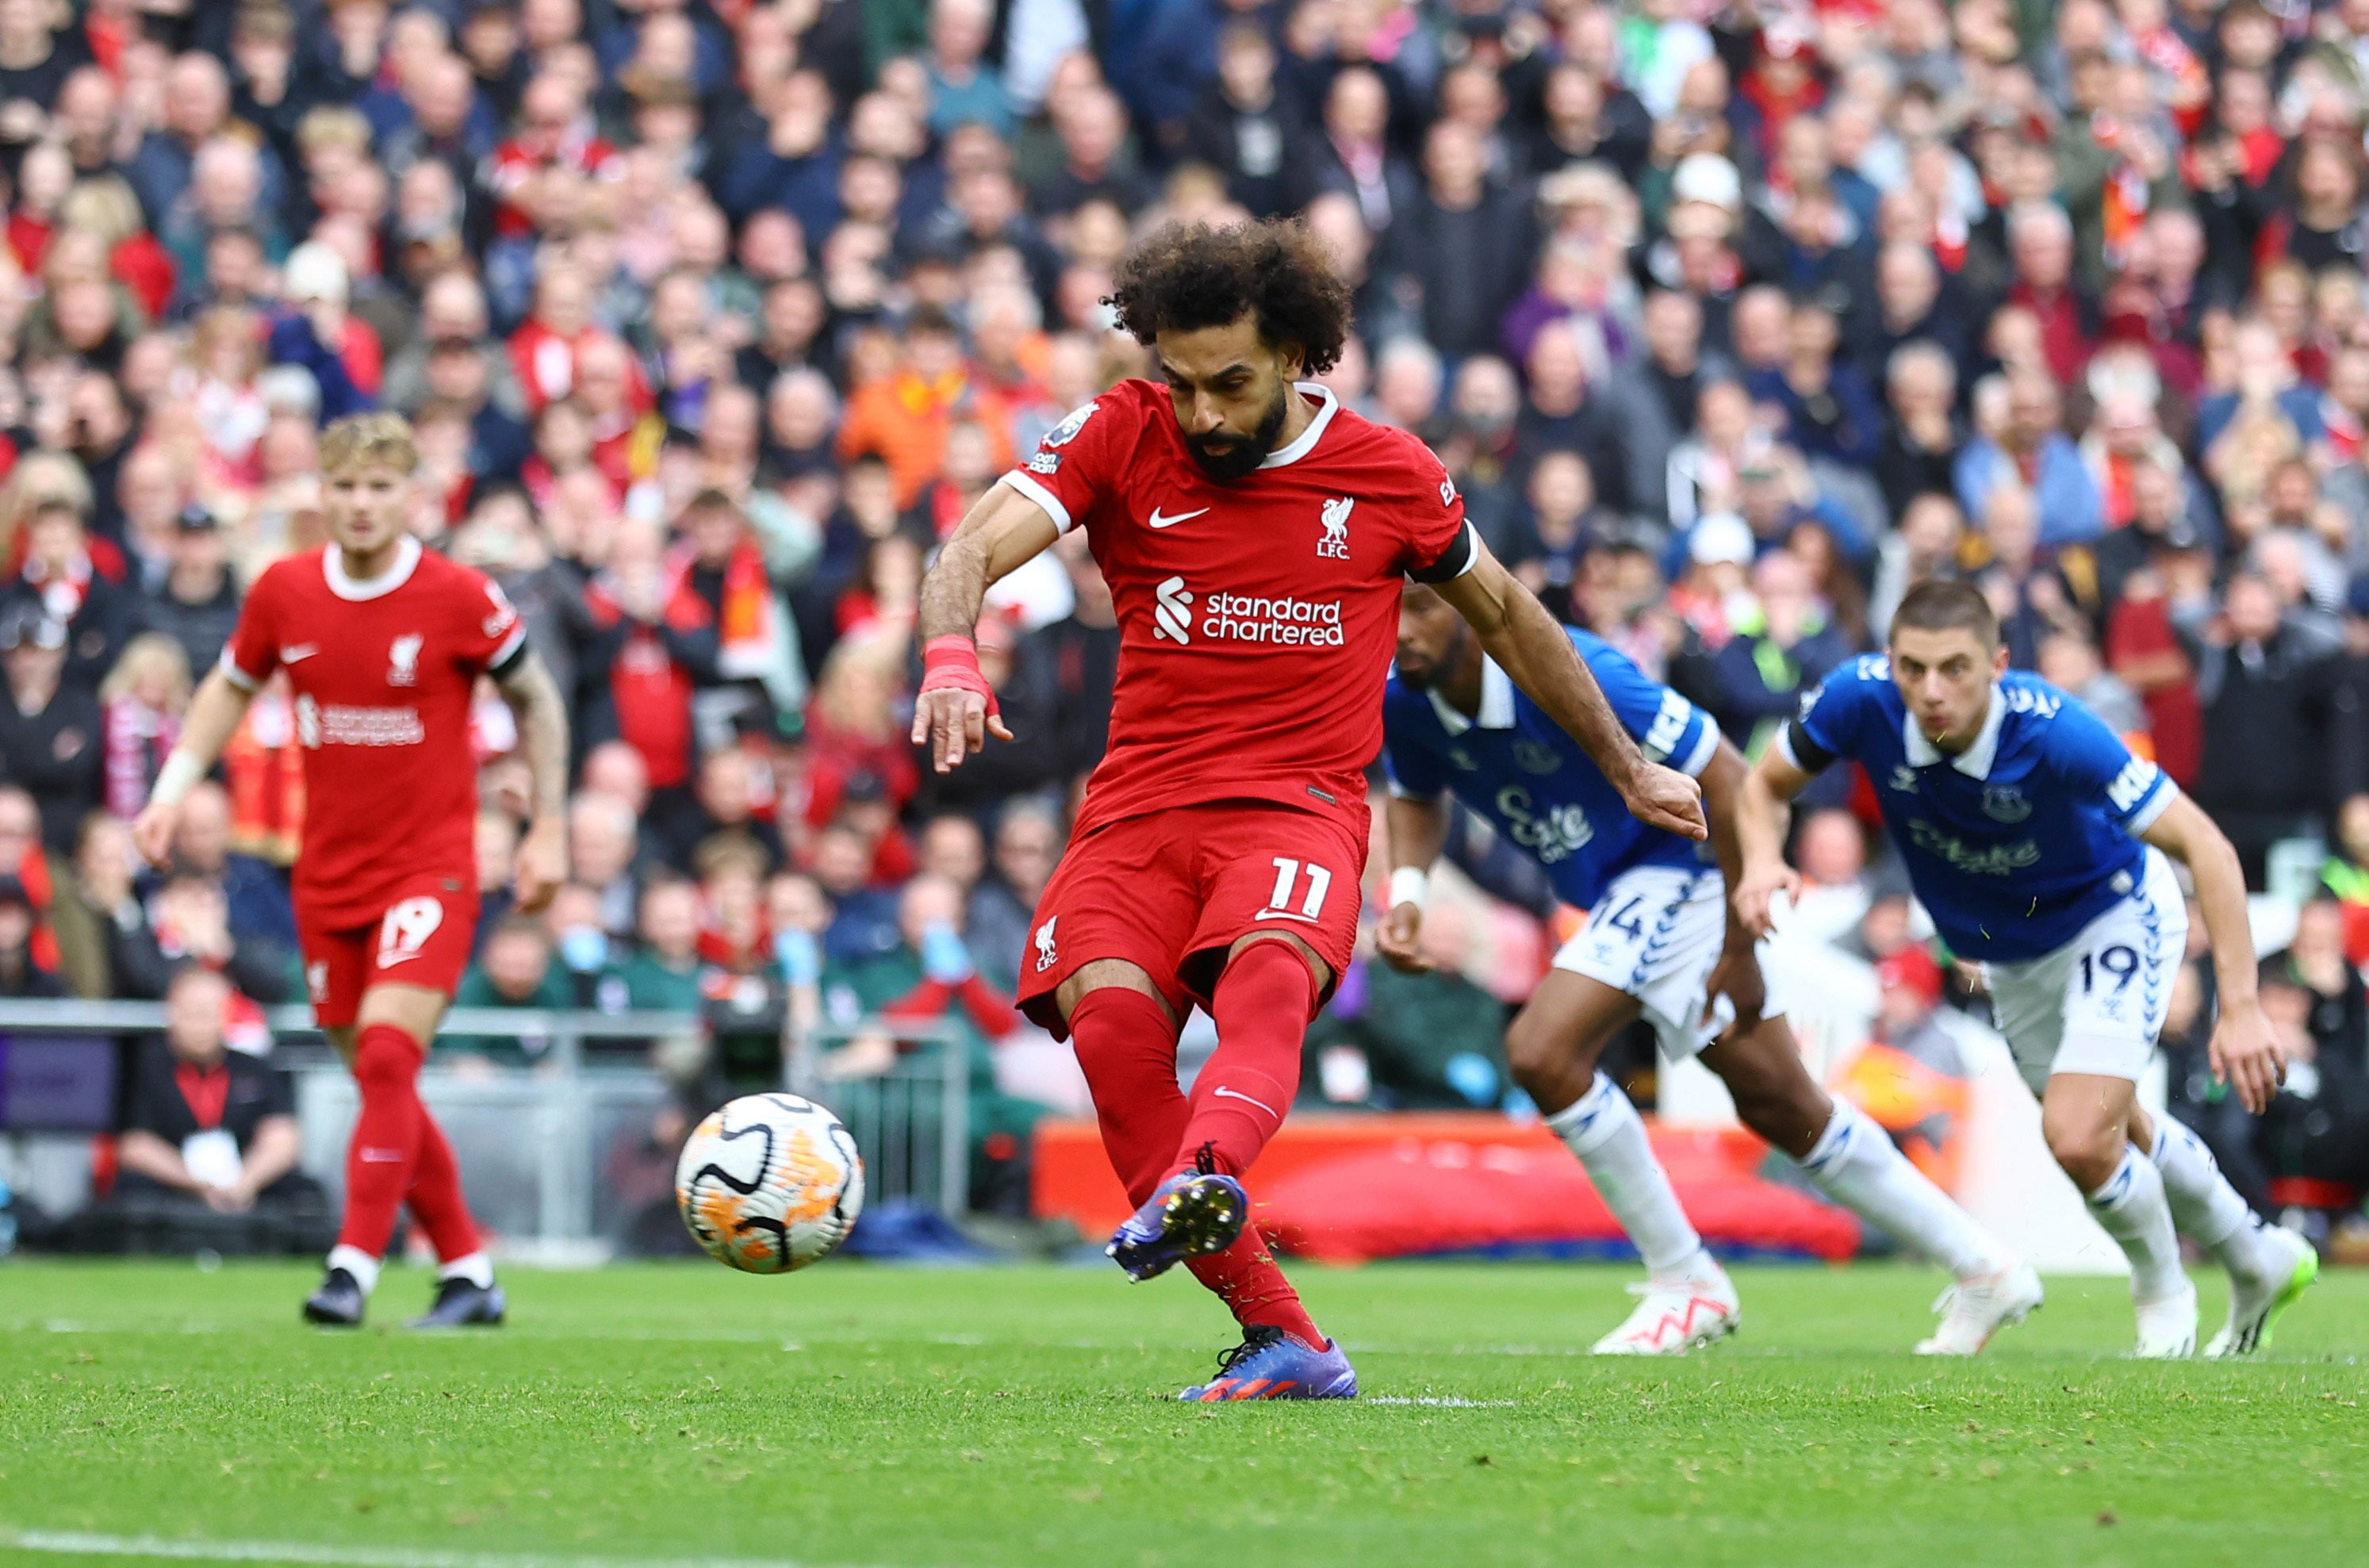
<point x="1440" y="545"/>
<point x="253" y="651"/>
<point x="487" y="633"/>
<point x="1082" y="459"/>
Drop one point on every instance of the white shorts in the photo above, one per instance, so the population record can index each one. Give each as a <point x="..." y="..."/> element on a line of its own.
<point x="1657" y="935"/>
<point x="2096" y="1004"/>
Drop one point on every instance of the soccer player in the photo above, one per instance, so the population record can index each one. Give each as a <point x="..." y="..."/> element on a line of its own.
<point x="382" y="642"/>
<point x="2037" y="843"/>
<point x="1659" y="943"/>
<point x="1255" y="534"/>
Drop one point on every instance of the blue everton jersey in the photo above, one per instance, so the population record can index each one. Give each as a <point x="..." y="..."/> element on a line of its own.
<point x="2015" y="843"/>
<point x="1536" y="785"/>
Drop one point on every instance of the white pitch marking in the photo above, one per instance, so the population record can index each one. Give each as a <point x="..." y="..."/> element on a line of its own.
<point x="1454" y="1401"/>
<point x="77" y="1543"/>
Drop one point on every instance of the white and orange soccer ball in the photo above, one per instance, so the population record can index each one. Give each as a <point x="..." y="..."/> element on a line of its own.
<point x="769" y="1184"/>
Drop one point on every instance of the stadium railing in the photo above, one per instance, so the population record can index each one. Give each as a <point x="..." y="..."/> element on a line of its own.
<point x="557" y="1155"/>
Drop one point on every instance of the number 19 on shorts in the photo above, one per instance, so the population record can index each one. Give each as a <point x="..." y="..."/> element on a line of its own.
<point x="1286" y="902"/>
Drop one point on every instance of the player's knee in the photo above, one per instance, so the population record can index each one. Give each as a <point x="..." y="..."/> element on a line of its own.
<point x="2085" y="1151"/>
<point x="1538" y="1052"/>
<point x="384" y="1061"/>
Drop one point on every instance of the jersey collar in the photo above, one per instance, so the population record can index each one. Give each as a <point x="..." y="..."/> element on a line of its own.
<point x="406" y="561"/>
<point x="1975" y="761"/>
<point x="1496" y="703"/>
<point x="1298" y="449"/>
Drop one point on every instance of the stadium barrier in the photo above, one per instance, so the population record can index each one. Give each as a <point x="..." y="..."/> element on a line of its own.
<point x="558" y="1156"/>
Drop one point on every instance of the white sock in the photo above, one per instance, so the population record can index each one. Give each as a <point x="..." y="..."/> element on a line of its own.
<point x="2131" y="1208"/>
<point x="476" y="1267"/>
<point x="1602" y="1128"/>
<point x="2205" y="1207"/>
<point x="1856" y="1164"/>
<point x="358" y="1263"/>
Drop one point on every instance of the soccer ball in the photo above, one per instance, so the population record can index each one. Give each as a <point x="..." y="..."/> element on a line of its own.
<point x="769" y="1184"/>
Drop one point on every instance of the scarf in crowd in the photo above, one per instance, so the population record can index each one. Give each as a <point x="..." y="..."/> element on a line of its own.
<point x="136" y="738"/>
<point x="33" y="871"/>
<point x="746" y="626"/>
<point x="651" y="692"/>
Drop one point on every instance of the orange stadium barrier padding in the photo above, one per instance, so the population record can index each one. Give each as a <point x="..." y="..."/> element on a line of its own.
<point x="1345" y="1188"/>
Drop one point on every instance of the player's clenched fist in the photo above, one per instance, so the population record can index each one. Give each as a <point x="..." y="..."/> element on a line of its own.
<point x="1667" y="799"/>
<point x="153" y="830"/>
<point x="956" y="711"/>
<point x="1396" y="939"/>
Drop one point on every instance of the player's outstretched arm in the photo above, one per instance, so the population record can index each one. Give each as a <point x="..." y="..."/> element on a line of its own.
<point x="1737" y="974"/>
<point x="1763" y="803"/>
<point x="542" y="714"/>
<point x="1532" y="648"/>
<point x="1416" y="827"/>
<point x="955" y="709"/>
<point x="2246" y="1051"/>
<point x="213" y="717"/>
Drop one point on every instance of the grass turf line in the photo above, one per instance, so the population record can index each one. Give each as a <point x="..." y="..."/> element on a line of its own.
<point x="979" y="1419"/>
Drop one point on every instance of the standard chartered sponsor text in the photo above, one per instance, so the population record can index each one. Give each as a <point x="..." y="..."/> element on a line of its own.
<point x="1287" y="622"/>
<point x="342" y="725"/>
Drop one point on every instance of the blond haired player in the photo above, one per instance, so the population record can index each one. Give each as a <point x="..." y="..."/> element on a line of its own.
<point x="382" y="642"/>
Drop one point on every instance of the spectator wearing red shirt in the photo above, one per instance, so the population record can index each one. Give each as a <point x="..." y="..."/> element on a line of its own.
<point x="657" y="640"/>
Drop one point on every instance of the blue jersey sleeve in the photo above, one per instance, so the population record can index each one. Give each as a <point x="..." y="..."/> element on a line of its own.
<point x="2093" y="761"/>
<point x="1826" y="729"/>
<point x="1412" y="768"/>
<point x="1666" y="726"/>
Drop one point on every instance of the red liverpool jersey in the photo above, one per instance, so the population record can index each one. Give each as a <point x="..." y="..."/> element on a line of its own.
<point x="382" y="671"/>
<point x="1257" y="619"/>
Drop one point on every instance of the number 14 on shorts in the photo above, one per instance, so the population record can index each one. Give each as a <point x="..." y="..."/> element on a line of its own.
<point x="1279" y="904"/>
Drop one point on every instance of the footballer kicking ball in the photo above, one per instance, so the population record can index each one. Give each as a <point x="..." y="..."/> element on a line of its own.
<point x="769" y="1184"/>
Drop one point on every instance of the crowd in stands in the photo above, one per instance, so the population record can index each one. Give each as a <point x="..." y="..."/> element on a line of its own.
<point x="1731" y="321"/>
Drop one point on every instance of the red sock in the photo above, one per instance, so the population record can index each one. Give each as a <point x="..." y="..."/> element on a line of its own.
<point x="1128" y="1049"/>
<point x="435" y="1197"/>
<point x="385" y="1145"/>
<point x="1263" y="1004"/>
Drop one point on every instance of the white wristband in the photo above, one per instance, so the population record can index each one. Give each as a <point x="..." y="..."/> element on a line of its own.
<point x="181" y="774"/>
<point x="1409" y="884"/>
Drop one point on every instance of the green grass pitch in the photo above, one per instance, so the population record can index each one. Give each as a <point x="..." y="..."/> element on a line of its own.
<point x="1008" y="1417"/>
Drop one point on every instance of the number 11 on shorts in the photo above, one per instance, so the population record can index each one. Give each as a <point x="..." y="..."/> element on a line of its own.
<point x="1286" y="882"/>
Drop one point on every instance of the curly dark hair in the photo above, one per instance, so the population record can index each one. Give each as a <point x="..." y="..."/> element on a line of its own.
<point x="1186" y="278"/>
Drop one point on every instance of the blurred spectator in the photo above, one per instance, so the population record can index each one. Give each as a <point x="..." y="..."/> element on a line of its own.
<point x="929" y="981"/>
<point x="49" y="731"/>
<point x="205" y="1120"/>
<point x="187" y="920"/>
<point x="195" y="601"/>
<point x="2280" y="722"/>
<point x="1912" y="1077"/>
<point x="663" y="973"/>
<point x="515" y="969"/>
<point x="21" y="973"/>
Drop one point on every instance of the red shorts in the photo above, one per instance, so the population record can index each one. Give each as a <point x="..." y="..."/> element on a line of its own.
<point x="423" y="939"/>
<point x="1171" y="891"/>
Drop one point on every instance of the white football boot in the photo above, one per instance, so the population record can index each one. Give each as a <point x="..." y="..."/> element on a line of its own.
<point x="1973" y="1310"/>
<point x="2255" y="1302"/>
<point x="1673" y="1319"/>
<point x="2167" y="1327"/>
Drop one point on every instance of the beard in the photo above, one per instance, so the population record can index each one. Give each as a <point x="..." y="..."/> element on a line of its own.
<point x="1237" y="457"/>
<point x="1423" y="674"/>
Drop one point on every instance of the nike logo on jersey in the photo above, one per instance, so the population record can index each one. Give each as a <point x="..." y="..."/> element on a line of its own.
<point x="1161" y="521"/>
<point x="388" y="959"/>
<point x="1223" y="1093"/>
<point x="1285" y="915"/>
<point x="296" y="652"/>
